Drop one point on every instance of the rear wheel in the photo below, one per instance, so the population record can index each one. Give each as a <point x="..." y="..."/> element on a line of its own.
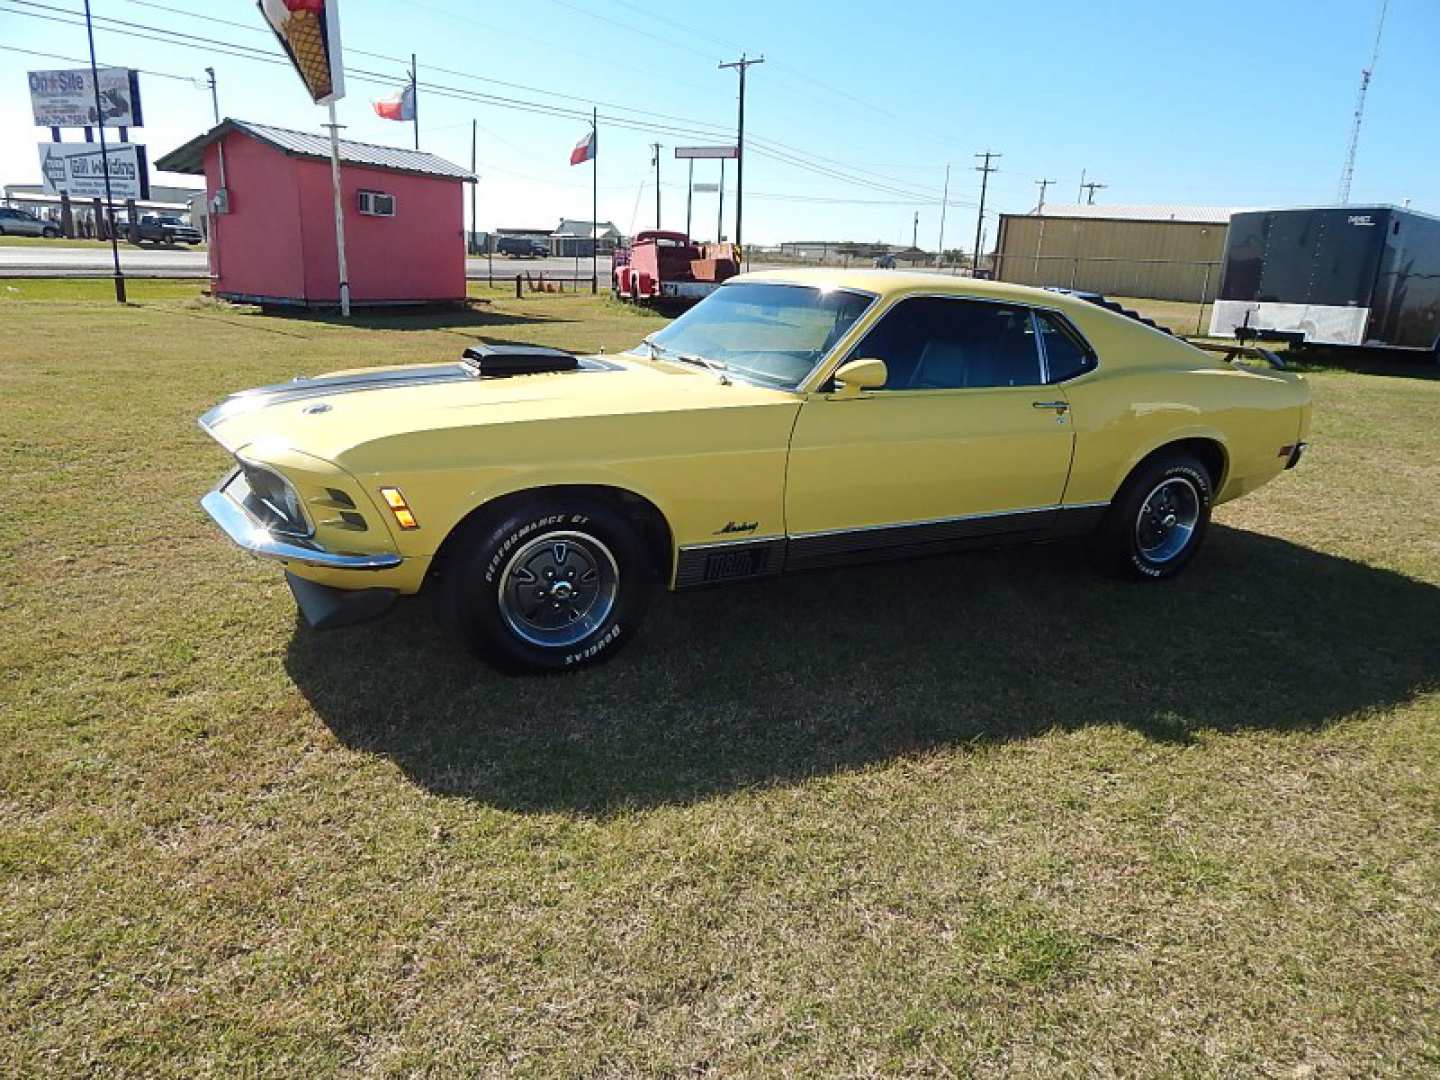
<point x="552" y="584"/>
<point x="50" y="233"/>
<point x="1157" y="522"/>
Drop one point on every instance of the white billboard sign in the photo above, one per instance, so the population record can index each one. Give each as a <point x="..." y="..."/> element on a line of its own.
<point x="67" y="98"/>
<point x="76" y="169"/>
<point x="683" y="152"/>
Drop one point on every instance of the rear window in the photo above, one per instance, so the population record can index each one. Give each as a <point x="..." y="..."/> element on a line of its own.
<point x="1065" y="354"/>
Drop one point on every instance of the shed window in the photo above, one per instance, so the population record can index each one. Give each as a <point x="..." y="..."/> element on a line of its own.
<point x="377" y="204"/>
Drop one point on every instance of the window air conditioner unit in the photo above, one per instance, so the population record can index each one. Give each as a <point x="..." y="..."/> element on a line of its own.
<point x="377" y="204"/>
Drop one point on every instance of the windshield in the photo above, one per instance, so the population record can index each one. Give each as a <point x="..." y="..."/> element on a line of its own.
<point x="769" y="333"/>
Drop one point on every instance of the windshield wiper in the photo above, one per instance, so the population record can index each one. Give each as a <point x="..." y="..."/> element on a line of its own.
<point x="658" y="351"/>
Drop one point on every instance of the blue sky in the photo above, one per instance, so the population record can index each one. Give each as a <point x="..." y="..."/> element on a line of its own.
<point x="1228" y="104"/>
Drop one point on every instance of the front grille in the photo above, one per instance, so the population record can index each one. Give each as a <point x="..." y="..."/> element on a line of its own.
<point x="270" y="500"/>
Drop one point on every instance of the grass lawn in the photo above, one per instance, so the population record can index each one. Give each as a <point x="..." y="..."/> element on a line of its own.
<point x="982" y="814"/>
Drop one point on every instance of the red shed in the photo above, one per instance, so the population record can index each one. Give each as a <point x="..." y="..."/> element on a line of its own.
<point x="273" y="238"/>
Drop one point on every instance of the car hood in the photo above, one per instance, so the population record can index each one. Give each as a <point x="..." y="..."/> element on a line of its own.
<point x="332" y="415"/>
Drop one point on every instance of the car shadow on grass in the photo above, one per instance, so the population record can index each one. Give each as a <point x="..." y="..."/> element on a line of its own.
<point x="777" y="681"/>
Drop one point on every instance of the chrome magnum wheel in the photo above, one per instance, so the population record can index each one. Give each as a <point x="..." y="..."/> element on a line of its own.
<point x="1167" y="519"/>
<point x="1157" y="519"/>
<point x="558" y="588"/>
<point x="546" y="583"/>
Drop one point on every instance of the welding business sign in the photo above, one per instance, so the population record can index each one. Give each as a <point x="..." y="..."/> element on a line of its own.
<point x="77" y="170"/>
<point x="67" y="98"/>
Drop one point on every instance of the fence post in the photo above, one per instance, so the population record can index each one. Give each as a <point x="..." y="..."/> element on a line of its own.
<point x="517" y="286"/>
<point x="1074" y="271"/>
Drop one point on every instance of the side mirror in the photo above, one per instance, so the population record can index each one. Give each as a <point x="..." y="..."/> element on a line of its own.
<point x="859" y="375"/>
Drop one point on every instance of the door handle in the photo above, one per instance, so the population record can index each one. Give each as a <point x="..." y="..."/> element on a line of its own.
<point x="1058" y="406"/>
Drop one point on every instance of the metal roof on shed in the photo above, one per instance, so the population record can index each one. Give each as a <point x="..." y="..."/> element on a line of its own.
<point x="190" y="157"/>
<point x="1204" y="215"/>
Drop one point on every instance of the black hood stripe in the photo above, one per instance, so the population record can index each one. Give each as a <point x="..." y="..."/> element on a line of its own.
<point x="299" y="389"/>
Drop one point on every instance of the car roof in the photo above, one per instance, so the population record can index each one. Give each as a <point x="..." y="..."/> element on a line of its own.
<point x="886" y="283"/>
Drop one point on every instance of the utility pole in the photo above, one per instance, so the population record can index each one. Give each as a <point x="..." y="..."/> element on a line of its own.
<point x="741" y="65"/>
<point x="415" y="99"/>
<point x="212" y="220"/>
<point x="1042" y="184"/>
<point x="1080" y="195"/>
<point x="984" y="170"/>
<point x="720" y="207"/>
<point x="1040" y="212"/>
<point x="944" y="199"/>
<point x="655" y="160"/>
<point x="1090" y="189"/>
<point x="474" y="184"/>
<point x="105" y="162"/>
<point x="915" y="232"/>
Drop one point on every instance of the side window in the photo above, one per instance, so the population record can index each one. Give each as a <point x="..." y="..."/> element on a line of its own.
<point x="938" y="343"/>
<point x="1065" y="355"/>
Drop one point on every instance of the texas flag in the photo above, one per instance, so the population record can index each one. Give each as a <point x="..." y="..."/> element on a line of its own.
<point x="584" y="150"/>
<point x="398" y="106"/>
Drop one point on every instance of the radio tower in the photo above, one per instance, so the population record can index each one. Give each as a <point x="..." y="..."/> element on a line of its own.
<point x="1348" y="173"/>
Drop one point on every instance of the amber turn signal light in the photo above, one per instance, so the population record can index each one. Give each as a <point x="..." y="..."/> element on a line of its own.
<point x="399" y="507"/>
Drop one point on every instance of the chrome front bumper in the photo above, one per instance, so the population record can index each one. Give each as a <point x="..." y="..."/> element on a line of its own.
<point x="240" y="527"/>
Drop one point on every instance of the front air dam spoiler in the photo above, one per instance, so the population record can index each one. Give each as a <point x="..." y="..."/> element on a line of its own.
<point x="325" y="608"/>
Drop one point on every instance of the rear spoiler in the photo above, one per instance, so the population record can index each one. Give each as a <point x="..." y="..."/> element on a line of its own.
<point x="1235" y="350"/>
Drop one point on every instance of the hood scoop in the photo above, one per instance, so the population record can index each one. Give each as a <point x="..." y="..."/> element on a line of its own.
<point x="502" y="361"/>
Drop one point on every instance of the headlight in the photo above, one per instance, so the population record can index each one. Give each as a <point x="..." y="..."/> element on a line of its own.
<point x="272" y="501"/>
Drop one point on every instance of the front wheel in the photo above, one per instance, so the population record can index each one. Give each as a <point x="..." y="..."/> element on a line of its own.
<point x="1158" y="520"/>
<point x="554" y="584"/>
<point x="50" y="234"/>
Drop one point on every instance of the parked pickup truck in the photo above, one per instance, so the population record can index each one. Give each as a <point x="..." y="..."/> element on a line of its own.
<point x="164" y="229"/>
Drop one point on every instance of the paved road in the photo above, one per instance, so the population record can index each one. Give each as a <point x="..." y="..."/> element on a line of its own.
<point x="61" y="261"/>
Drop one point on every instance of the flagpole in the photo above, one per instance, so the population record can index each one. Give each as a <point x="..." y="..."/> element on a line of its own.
<point x="595" y="201"/>
<point x="415" y="99"/>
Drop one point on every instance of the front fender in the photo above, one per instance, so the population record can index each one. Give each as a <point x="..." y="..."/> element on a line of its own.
<point x="700" y="468"/>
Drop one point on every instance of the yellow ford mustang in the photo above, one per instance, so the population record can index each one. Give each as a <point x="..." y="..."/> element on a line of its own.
<point x="791" y="419"/>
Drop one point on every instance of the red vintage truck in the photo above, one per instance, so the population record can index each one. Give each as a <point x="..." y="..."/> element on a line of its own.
<point x="666" y="266"/>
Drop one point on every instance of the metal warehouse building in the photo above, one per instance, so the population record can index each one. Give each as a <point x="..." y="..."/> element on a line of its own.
<point x="1161" y="252"/>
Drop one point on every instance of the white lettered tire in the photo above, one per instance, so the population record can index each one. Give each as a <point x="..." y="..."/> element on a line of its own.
<point x="1158" y="519"/>
<point x="550" y="584"/>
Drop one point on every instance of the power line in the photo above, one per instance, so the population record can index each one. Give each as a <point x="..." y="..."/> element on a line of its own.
<point x="763" y="146"/>
<point x="710" y="130"/>
<point x="195" y="80"/>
